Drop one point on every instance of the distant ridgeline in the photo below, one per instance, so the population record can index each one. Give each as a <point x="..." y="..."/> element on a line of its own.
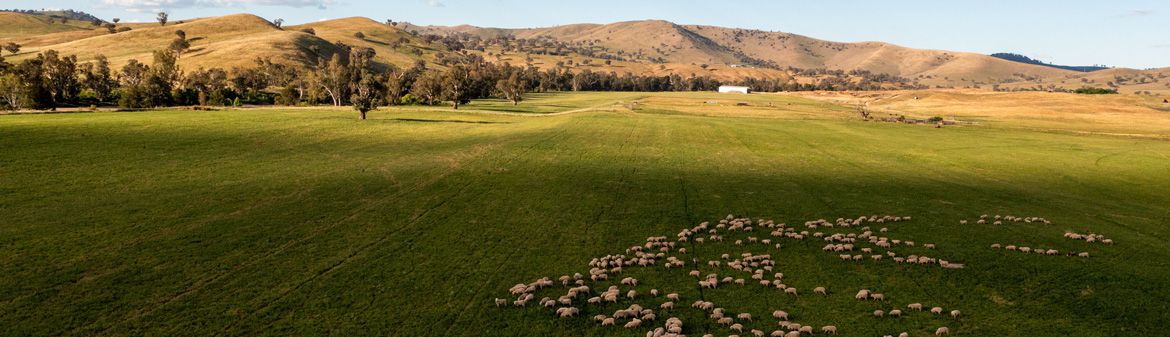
<point x="1024" y="59"/>
<point x="65" y="13"/>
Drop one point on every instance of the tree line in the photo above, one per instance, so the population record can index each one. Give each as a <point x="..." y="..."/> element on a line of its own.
<point x="345" y="75"/>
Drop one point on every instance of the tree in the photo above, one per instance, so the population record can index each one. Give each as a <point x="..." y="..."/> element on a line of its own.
<point x="36" y="92"/>
<point x="99" y="79"/>
<point x="162" y="18"/>
<point x="180" y="44"/>
<point x="455" y="86"/>
<point x="397" y="84"/>
<point x="60" y="77"/>
<point x="12" y="92"/>
<point x="12" y="47"/>
<point x="428" y="86"/>
<point x="512" y="88"/>
<point x="367" y="93"/>
<point x="278" y="22"/>
<point x="116" y="20"/>
<point x="334" y="78"/>
<point x="360" y="35"/>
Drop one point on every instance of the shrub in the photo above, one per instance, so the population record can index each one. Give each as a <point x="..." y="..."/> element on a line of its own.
<point x="935" y="119"/>
<point x="1095" y="91"/>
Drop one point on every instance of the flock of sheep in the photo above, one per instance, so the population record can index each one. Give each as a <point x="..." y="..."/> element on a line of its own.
<point x="854" y="240"/>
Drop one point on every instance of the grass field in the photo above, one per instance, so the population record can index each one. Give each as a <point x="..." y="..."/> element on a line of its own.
<point x="309" y="222"/>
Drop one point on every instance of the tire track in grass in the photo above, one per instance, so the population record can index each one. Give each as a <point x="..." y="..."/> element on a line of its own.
<point x="410" y="224"/>
<point x="355" y="213"/>
<point x="476" y="295"/>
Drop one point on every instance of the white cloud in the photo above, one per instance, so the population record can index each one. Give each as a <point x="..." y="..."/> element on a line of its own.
<point x="435" y="3"/>
<point x="157" y="5"/>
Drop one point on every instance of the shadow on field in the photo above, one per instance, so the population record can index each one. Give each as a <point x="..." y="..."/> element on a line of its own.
<point x="446" y="121"/>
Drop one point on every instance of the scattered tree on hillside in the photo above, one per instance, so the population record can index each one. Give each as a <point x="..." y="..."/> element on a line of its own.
<point x="162" y="18"/>
<point x="360" y="35"/>
<point x="180" y="45"/>
<point x="278" y="22"/>
<point x="12" y="47"/>
<point x="116" y="20"/>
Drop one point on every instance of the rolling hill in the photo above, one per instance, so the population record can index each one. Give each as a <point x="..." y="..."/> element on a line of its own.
<point x="650" y="47"/>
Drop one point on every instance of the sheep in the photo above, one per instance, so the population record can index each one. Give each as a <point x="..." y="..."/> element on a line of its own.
<point x="744" y="317"/>
<point x="654" y="292"/>
<point x="567" y="312"/>
<point x="829" y="329"/>
<point x="633" y="323"/>
<point x="780" y="314"/>
<point x="820" y="290"/>
<point x="995" y="246"/>
<point x="667" y="306"/>
<point x="792" y="334"/>
<point x="862" y="294"/>
<point x="955" y="313"/>
<point x="878" y="297"/>
<point x="632" y="294"/>
<point x="725" y="321"/>
<point x="895" y="313"/>
<point x="878" y="313"/>
<point x="607" y="322"/>
<point x="737" y="327"/>
<point x="672" y="296"/>
<point x="806" y="329"/>
<point x="929" y="246"/>
<point x="757" y="333"/>
<point x="1083" y="254"/>
<point x="915" y="306"/>
<point x="739" y="282"/>
<point x="904" y="334"/>
<point x="942" y="331"/>
<point x="777" y="333"/>
<point x="649" y="317"/>
<point x="936" y="310"/>
<point x="501" y="302"/>
<point x="790" y="291"/>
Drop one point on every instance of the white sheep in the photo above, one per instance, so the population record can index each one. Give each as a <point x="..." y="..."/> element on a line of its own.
<point x="501" y="302"/>
<point x="936" y="310"/>
<point x="780" y="314"/>
<point x="915" y="306"/>
<point x="829" y="329"/>
<point x="955" y="313"/>
<point x="737" y="327"/>
<point x="862" y="294"/>
<point x="878" y="313"/>
<point x="895" y="313"/>
<point x="607" y="322"/>
<point x="790" y="291"/>
<point x="878" y="297"/>
<point x="672" y="296"/>
<point x="744" y="317"/>
<point x="942" y="331"/>
<point x="820" y="290"/>
<point x="633" y="323"/>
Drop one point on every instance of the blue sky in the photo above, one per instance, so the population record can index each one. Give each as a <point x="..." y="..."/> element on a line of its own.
<point x="1132" y="33"/>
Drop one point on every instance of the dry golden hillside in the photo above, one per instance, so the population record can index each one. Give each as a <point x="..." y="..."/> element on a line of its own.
<point x="227" y="41"/>
<point x="18" y="25"/>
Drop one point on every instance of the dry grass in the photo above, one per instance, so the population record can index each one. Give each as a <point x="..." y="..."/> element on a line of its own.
<point x="1126" y="115"/>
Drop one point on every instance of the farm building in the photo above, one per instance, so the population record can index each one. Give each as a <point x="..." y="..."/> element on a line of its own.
<point x="726" y="89"/>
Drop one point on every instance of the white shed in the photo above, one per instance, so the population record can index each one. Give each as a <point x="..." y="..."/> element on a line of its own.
<point x="734" y="90"/>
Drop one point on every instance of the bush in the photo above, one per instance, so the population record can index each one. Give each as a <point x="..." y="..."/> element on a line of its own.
<point x="1095" y="91"/>
<point x="935" y="119"/>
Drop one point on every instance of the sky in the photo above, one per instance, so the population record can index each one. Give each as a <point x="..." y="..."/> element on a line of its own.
<point x="1121" y="33"/>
